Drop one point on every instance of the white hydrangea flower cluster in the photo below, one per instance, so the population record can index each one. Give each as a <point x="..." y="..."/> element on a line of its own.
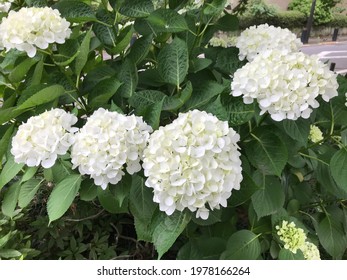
<point x="256" y="39"/>
<point x="193" y="163"/>
<point x="223" y="40"/>
<point x="31" y="28"/>
<point x="316" y="134"/>
<point x="310" y="251"/>
<point x="295" y="239"/>
<point x="42" y="138"/>
<point x="285" y="85"/>
<point x="5" y="5"/>
<point x="106" y="143"/>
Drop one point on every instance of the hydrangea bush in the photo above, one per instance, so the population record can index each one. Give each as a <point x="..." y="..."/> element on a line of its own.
<point x="192" y="147"/>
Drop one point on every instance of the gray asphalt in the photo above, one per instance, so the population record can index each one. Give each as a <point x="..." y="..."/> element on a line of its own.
<point x="333" y="52"/>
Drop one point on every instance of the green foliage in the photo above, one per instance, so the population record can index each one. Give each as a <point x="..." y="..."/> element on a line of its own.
<point x="144" y="58"/>
<point x="322" y="13"/>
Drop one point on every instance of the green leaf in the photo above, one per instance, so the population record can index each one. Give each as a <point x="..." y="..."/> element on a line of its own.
<point x="140" y="49"/>
<point x="247" y="189"/>
<point x="297" y="130"/>
<point x="285" y="254"/>
<point x="123" y="39"/>
<point x="332" y="237"/>
<point x="137" y="8"/>
<point x="173" y="62"/>
<point x="338" y="168"/>
<point x="19" y="72"/>
<point x="267" y="152"/>
<point x="172" y="103"/>
<point x="165" y="20"/>
<point x="37" y="75"/>
<point x="9" y="253"/>
<point x="228" y="22"/>
<point x="43" y="96"/>
<point x="141" y="100"/>
<point x="215" y="216"/>
<point x="27" y="192"/>
<point x="226" y="59"/>
<point x="88" y="190"/>
<point x="106" y="34"/>
<point x="60" y="170"/>
<point x="242" y="245"/>
<point x="67" y="52"/>
<point x="29" y="173"/>
<point x="5" y="141"/>
<point x="103" y="92"/>
<point x="10" y="170"/>
<point x="141" y="202"/>
<point x="10" y="200"/>
<point x="270" y="198"/>
<point x="82" y="56"/>
<point x="75" y="11"/>
<point x="238" y="112"/>
<point x="128" y="76"/>
<point x="4" y="239"/>
<point x="203" y="92"/>
<point x="202" y="248"/>
<point x="62" y="196"/>
<point x="215" y="7"/>
<point x="167" y="231"/>
<point x="115" y="199"/>
<point x="198" y="64"/>
<point x="152" y="114"/>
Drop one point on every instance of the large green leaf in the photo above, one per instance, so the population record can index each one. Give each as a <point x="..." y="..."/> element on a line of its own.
<point x="167" y="231"/>
<point x="75" y="11"/>
<point x="204" y="248"/>
<point x="238" y="112"/>
<point x="332" y="237"/>
<point x="141" y="100"/>
<point x="62" y="196"/>
<point x="137" y="8"/>
<point x="106" y="34"/>
<point x="173" y="62"/>
<point x="203" y="92"/>
<point x="297" y="130"/>
<point x="123" y="39"/>
<point x="5" y="140"/>
<point x="43" y="96"/>
<point x="228" y="22"/>
<point x="242" y="245"/>
<point x="10" y="170"/>
<point x="128" y="76"/>
<point x="115" y="199"/>
<point x="141" y="199"/>
<point x="267" y="152"/>
<point x="10" y="200"/>
<point x="103" y="92"/>
<point x="152" y="114"/>
<point x="270" y="198"/>
<point x="175" y="102"/>
<point x="338" y="168"/>
<point x="88" y="190"/>
<point x="19" y="72"/>
<point x="165" y="20"/>
<point x="285" y="254"/>
<point x="214" y="7"/>
<point x="82" y="56"/>
<point x="27" y="192"/>
<point x="140" y="49"/>
<point x="67" y="52"/>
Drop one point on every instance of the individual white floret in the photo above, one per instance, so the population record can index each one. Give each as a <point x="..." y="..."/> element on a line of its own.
<point x="5" y="5"/>
<point x="285" y="85"/>
<point x="193" y="163"/>
<point x="42" y="138"/>
<point x="32" y="28"/>
<point x="106" y="143"/>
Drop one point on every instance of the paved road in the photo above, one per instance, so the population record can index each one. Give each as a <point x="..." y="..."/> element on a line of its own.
<point x="332" y="52"/>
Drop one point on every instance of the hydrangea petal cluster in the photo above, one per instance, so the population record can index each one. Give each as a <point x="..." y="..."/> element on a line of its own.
<point x="294" y="238"/>
<point x="193" y="163"/>
<point x="5" y="5"/>
<point x="31" y="28"/>
<point x="106" y="143"/>
<point x="316" y="134"/>
<point x="257" y="39"/>
<point x="310" y="251"/>
<point x="223" y="40"/>
<point x="42" y="138"/>
<point x="285" y="85"/>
